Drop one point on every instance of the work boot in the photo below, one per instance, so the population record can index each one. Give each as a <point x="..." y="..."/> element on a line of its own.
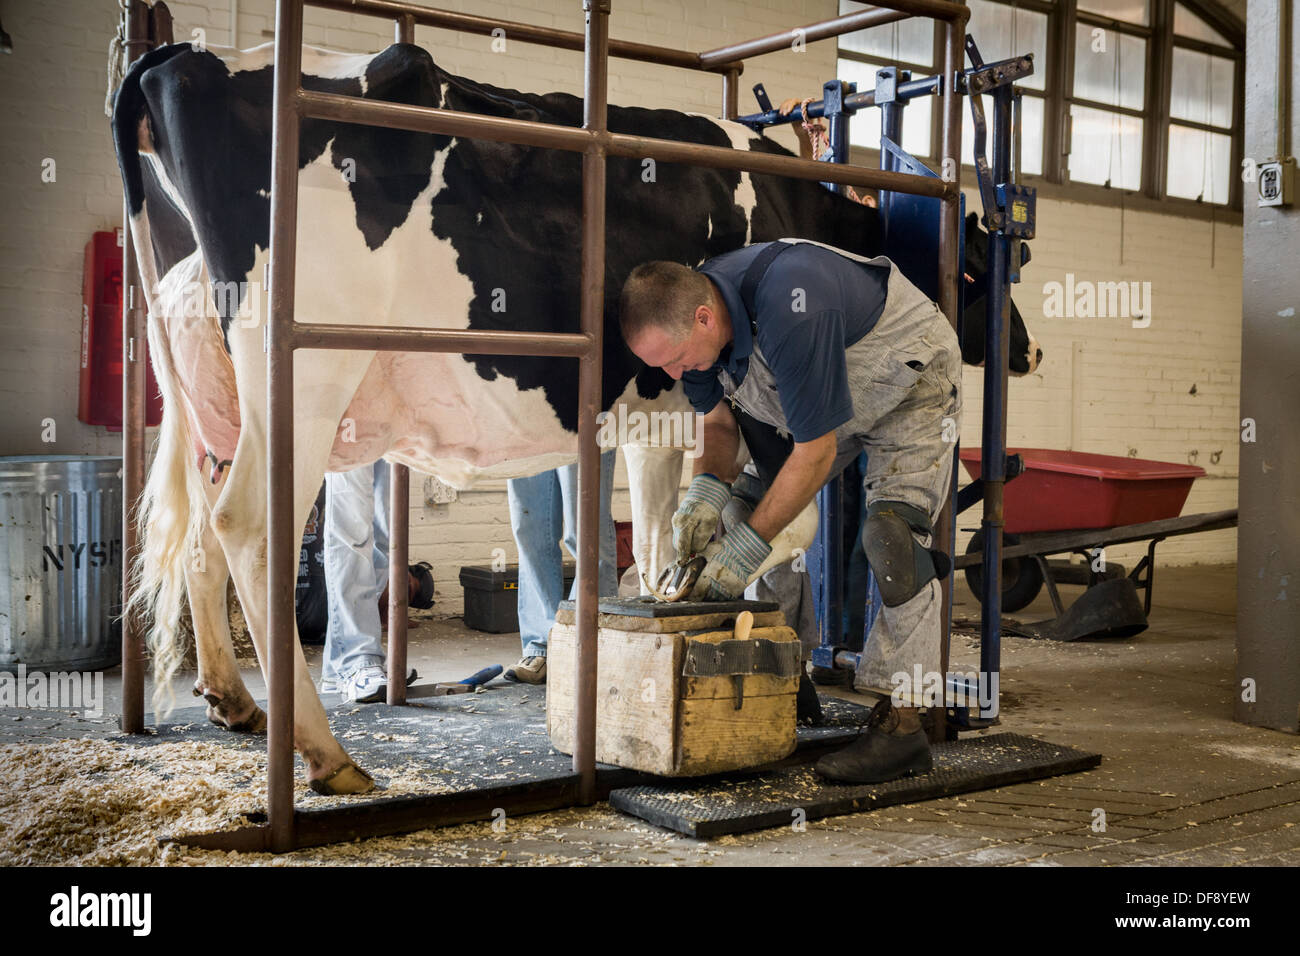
<point x="893" y="745"/>
<point x="530" y="670"/>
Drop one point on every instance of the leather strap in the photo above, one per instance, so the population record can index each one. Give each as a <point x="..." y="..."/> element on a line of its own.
<point x="754" y="275"/>
<point x="750" y="656"/>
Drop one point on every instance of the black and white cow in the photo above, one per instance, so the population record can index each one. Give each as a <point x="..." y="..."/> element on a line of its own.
<point x="395" y="228"/>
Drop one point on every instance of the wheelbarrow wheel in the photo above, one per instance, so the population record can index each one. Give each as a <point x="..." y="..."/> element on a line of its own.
<point x="1022" y="579"/>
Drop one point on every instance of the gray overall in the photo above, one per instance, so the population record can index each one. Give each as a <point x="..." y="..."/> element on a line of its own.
<point x="905" y="379"/>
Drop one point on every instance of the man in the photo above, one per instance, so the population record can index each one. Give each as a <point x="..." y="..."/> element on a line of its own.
<point x="843" y="355"/>
<point x="543" y="508"/>
<point x="356" y="584"/>
<point x="356" y="570"/>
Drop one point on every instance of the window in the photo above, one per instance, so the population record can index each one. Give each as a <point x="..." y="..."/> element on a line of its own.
<point x="1202" y="102"/>
<point x="1135" y="95"/>
<point x="908" y="44"/>
<point x="1131" y="11"/>
<point x="1106" y="148"/>
<point x="1002" y="31"/>
<point x="1188" y="24"/>
<point x="1109" y="71"/>
<point x="910" y="40"/>
<point x="864" y="129"/>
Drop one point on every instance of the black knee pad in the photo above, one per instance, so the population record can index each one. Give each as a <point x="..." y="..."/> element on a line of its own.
<point x="901" y="565"/>
<point x="748" y="488"/>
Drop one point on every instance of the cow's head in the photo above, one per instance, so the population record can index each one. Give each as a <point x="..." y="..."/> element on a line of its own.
<point x="1026" y="353"/>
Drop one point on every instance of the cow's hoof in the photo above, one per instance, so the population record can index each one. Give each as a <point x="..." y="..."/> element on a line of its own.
<point x="254" y="723"/>
<point x="348" y="778"/>
<point x="223" y="714"/>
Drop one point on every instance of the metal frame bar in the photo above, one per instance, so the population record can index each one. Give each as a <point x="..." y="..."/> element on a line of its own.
<point x="292" y="104"/>
<point x="399" y="503"/>
<point x="993" y="439"/>
<point x="1060" y="542"/>
<point x="136" y="42"/>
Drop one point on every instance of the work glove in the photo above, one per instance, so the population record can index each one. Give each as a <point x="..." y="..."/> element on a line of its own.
<point x="731" y="563"/>
<point x="746" y="492"/>
<point x="697" y="517"/>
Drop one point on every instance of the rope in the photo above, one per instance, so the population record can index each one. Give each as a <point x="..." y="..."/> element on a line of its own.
<point x="821" y="147"/>
<point x="816" y="131"/>
<point x="116" y="60"/>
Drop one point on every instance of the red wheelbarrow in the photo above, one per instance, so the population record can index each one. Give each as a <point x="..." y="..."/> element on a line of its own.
<point x="1065" y="502"/>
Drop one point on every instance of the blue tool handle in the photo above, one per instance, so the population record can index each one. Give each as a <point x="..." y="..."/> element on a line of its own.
<point x="483" y="676"/>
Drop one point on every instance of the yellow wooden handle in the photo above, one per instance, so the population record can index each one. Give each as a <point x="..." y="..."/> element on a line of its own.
<point x="744" y="624"/>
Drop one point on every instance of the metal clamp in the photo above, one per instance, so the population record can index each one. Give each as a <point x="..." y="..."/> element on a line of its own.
<point x="1008" y="207"/>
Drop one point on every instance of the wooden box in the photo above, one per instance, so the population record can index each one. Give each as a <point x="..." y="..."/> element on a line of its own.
<point x="661" y="704"/>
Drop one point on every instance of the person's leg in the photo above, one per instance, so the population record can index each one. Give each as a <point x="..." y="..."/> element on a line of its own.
<point x="907" y="482"/>
<point x="535" y="519"/>
<point x="607" y="573"/>
<point x="909" y="471"/>
<point x="383" y="496"/>
<point x="352" y="636"/>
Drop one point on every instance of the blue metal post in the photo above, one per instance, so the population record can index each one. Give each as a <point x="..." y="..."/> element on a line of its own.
<point x="891" y="128"/>
<point x="891" y="125"/>
<point x="993" y="466"/>
<point x="829" y="503"/>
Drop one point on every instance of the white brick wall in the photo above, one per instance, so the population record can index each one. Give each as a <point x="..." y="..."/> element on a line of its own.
<point x="51" y="106"/>
<point x="1133" y="383"/>
<point x="1109" y="388"/>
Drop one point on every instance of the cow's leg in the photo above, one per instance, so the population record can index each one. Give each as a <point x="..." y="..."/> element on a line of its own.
<point x="219" y="682"/>
<point x="654" y="477"/>
<point x="792" y="541"/>
<point x="322" y="393"/>
<point x="239" y="520"/>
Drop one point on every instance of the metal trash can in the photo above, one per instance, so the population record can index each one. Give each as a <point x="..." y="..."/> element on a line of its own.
<point x="60" y="562"/>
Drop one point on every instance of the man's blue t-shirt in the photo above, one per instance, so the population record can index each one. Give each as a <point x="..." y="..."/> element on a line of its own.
<point x="811" y="305"/>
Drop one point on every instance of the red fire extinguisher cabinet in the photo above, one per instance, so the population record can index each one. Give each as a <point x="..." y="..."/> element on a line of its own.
<point x="100" y="396"/>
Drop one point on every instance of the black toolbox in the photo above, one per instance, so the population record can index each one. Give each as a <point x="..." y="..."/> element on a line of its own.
<point x="491" y="597"/>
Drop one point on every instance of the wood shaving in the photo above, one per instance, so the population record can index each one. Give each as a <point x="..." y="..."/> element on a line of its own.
<point x="98" y="803"/>
<point x="105" y="803"/>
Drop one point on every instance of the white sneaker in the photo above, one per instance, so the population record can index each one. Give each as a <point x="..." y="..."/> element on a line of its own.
<point x="332" y="685"/>
<point x="368" y="685"/>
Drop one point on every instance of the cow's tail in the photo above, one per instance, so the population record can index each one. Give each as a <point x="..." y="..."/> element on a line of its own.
<point x="172" y="509"/>
<point x="169" y="520"/>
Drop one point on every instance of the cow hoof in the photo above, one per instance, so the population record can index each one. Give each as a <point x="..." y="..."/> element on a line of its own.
<point x="254" y="723"/>
<point x="348" y="778"/>
<point x="219" y="713"/>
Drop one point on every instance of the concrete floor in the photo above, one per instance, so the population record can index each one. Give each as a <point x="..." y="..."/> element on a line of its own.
<point x="1180" y="782"/>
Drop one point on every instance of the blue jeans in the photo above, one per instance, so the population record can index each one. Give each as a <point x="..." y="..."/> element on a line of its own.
<point x="542" y="509"/>
<point x="356" y="567"/>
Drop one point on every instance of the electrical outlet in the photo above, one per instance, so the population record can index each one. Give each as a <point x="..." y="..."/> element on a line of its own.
<point x="1277" y="182"/>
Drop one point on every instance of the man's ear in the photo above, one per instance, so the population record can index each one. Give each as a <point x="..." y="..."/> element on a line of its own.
<point x="706" y="316"/>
